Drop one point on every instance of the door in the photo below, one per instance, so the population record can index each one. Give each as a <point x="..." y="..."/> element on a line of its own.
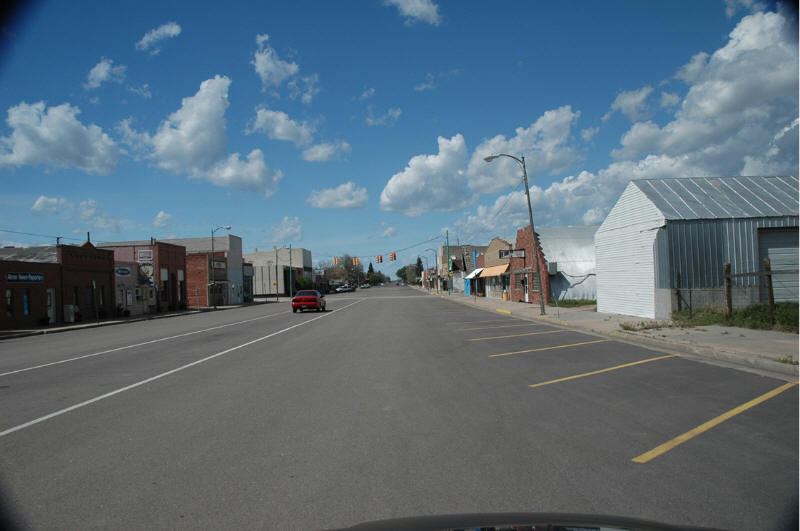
<point x="51" y="305"/>
<point x="525" y="288"/>
<point x="780" y="246"/>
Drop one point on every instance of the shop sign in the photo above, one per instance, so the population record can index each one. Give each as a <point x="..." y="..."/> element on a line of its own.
<point x="123" y="271"/>
<point x="144" y="255"/>
<point x="24" y="277"/>
<point x="508" y="253"/>
<point x="147" y="269"/>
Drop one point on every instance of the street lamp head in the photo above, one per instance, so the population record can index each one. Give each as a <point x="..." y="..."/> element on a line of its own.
<point x="490" y="158"/>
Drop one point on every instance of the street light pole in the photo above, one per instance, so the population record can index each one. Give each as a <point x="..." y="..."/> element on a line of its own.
<point x="521" y="162"/>
<point x="213" y="274"/>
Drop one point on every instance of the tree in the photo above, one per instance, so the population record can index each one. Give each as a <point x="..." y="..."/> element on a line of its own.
<point x="419" y="266"/>
<point x="401" y="273"/>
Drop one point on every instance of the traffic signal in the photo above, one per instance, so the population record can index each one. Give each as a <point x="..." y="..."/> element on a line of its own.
<point x="335" y="260"/>
<point x="392" y="256"/>
<point x="379" y="259"/>
<point x="355" y="261"/>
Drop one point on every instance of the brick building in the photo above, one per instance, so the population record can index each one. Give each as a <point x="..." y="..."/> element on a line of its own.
<point x="164" y="265"/>
<point x="524" y="282"/>
<point x="64" y="283"/>
<point x="203" y="288"/>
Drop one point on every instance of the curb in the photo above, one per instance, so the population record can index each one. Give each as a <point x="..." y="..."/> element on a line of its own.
<point x="698" y="350"/>
<point x="62" y="329"/>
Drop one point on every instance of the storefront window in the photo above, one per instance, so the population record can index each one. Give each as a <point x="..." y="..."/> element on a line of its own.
<point x="10" y="302"/>
<point x="26" y="302"/>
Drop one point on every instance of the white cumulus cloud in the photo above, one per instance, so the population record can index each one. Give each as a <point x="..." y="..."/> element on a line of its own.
<point x="287" y="231"/>
<point x="278" y="126"/>
<point x="389" y="232"/>
<point x="103" y="72"/>
<point x="251" y="174"/>
<point x="270" y="68"/>
<point x="162" y="220"/>
<point x="192" y="141"/>
<point x="304" y="88"/>
<point x="151" y="41"/>
<point x="52" y="205"/>
<point x="669" y="99"/>
<point x="193" y="138"/>
<point x="417" y="10"/>
<point x="631" y="104"/>
<point x="430" y="182"/>
<point x="325" y="151"/>
<point x="346" y="195"/>
<point x="545" y="144"/>
<point x="53" y="136"/>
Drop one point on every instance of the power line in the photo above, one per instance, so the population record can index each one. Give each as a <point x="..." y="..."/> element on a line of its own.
<point x="40" y="235"/>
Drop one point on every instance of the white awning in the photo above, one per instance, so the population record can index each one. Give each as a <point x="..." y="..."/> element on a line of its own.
<point x="475" y="273"/>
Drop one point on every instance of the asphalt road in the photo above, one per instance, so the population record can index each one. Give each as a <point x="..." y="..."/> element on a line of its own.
<point x="392" y="403"/>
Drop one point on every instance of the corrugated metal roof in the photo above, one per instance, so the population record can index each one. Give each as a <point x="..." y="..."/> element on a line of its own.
<point x="47" y="254"/>
<point x="722" y="197"/>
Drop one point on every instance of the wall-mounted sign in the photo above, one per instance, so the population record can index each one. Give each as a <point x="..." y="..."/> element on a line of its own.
<point x="147" y="269"/>
<point x="24" y="277"/>
<point x="123" y="271"/>
<point x="216" y="264"/>
<point x="508" y="253"/>
<point x="144" y="255"/>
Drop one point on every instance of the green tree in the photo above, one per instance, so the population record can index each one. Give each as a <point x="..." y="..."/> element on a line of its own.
<point x="401" y="273"/>
<point x="419" y="266"/>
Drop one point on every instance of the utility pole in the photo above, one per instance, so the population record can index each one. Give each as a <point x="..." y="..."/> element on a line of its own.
<point x="449" y="282"/>
<point x="276" y="272"/>
<point x="291" y="285"/>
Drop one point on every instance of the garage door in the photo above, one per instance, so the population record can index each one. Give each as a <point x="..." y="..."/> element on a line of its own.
<point x="780" y="246"/>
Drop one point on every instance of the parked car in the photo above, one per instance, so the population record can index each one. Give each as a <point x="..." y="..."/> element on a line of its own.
<point x="308" y="300"/>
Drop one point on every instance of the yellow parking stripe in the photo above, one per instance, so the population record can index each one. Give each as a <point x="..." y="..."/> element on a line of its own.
<point x="550" y="348"/>
<point x="604" y="370"/>
<point x="493" y="327"/>
<point x="519" y="335"/>
<point x="680" y="439"/>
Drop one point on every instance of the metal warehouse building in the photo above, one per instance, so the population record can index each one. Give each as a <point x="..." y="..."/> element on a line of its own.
<point x="664" y="231"/>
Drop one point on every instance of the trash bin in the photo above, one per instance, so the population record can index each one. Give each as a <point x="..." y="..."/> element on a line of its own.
<point x="505" y="295"/>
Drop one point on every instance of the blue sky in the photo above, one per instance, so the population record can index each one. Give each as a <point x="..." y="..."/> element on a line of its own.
<point x="360" y="127"/>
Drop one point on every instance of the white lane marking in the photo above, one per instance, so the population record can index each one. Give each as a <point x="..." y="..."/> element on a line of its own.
<point x="138" y="344"/>
<point x="159" y="376"/>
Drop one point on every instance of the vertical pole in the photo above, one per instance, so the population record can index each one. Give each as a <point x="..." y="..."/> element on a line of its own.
<point x="678" y="289"/>
<point x="276" y="274"/>
<point x="211" y="271"/>
<point x="449" y="282"/>
<point x="291" y="284"/>
<point x="728" y="302"/>
<point x="770" y="294"/>
<point x="533" y="238"/>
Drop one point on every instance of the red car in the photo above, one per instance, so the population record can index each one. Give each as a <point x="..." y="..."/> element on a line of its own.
<point x="307" y="300"/>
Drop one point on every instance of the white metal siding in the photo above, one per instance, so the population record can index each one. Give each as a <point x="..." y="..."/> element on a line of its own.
<point x="624" y="249"/>
<point x="780" y="246"/>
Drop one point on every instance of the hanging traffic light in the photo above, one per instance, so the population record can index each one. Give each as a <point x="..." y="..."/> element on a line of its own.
<point x="393" y="256"/>
<point x="355" y="261"/>
<point x="335" y="260"/>
<point x="379" y="259"/>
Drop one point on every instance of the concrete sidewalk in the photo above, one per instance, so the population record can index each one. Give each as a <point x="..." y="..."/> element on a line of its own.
<point x="761" y="349"/>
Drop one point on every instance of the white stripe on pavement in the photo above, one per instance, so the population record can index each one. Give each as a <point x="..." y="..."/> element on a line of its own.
<point x="109" y="351"/>
<point x="159" y="376"/>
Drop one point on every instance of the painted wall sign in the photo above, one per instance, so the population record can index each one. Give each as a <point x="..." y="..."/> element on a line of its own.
<point x="123" y="271"/>
<point x="516" y="253"/>
<point x="24" y="277"/>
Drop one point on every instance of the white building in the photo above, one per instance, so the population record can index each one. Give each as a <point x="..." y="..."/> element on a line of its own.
<point x="272" y="266"/>
<point x="664" y="237"/>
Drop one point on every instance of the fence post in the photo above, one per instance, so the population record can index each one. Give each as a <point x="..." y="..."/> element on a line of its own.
<point x="771" y="296"/>
<point x="728" y="302"/>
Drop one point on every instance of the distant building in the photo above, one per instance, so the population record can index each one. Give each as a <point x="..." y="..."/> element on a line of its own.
<point x="525" y="284"/>
<point x="664" y="234"/>
<point x="226" y="284"/>
<point x="273" y="266"/>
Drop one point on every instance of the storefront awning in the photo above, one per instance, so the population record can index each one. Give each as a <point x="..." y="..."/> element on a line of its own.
<point x="494" y="271"/>
<point x="475" y="273"/>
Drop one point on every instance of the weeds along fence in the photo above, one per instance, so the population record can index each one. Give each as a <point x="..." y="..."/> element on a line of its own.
<point x="768" y="279"/>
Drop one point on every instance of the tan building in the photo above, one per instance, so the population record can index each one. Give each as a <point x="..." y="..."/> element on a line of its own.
<point x="495" y="273"/>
